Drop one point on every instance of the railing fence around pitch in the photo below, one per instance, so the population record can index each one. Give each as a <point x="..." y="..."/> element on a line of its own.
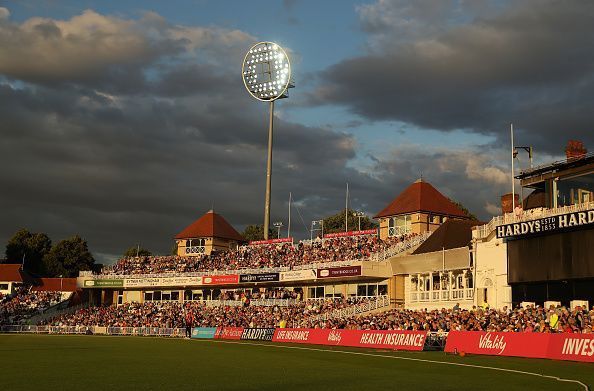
<point x="434" y="341"/>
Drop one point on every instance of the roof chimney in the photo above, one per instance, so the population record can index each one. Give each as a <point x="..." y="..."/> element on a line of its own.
<point x="575" y="150"/>
<point x="506" y="202"/>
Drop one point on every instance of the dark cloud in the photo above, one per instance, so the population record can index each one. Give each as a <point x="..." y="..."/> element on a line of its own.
<point x="126" y="149"/>
<point x="531" y="63"/>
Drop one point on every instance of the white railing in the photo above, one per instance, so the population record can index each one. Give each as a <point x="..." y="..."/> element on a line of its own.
<point x="484" y="231"/>
<point x="401" y="247"/>
<point x="356" y="309"/>
<point x="141" y="331"/>
<point x="253" y="302"/>
<point x="441" y="295"/>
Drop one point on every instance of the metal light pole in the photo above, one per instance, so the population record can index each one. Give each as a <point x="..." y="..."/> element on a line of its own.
<point x="359" y="216"/>
<point x="266" y="73"/>
<point x="278" y="226"/>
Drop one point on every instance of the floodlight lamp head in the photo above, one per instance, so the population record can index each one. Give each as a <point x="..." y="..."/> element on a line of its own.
<point x="266" y="71"/>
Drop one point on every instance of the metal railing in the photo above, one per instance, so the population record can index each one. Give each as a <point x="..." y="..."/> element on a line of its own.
<point x="484" y="231"/>
<point x="401" y="247"/>
<point x="253" y="302"/>
<point x="356" y="309"/>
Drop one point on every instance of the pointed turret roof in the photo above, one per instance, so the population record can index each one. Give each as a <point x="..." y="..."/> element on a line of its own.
<point x="421" y="196"/>
<point x="210" y="225"/>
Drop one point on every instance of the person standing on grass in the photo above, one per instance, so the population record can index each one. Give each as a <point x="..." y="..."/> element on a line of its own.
<point x="189" y="323"/>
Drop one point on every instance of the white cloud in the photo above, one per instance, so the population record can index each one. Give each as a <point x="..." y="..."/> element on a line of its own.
<point x="492" y="209"/>
<point x="4" y="13"/>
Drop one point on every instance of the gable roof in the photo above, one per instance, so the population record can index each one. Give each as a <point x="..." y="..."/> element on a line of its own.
<point x="208" y="226"/>
<point x="421" y="196"/>
<point x="12" y="272"/>
<point x="451" y="234"/>
<point x="55" y="285"/>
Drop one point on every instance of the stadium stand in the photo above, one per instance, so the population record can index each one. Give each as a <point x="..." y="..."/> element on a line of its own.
<point x="261" y="257"/>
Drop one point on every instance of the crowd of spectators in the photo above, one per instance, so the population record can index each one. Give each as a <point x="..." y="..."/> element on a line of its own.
<point x="266" y="293"/>
<point x="260" y="256"/>
<point x="171" y="314"/>
<point x="25" y="303"/>
<point x="305" y="314"/>
<point x="530" y="319"/>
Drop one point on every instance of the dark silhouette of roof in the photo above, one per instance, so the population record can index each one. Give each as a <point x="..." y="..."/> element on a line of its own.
<point x="55" y="285"/>
<point x="421" y="196"/>
<point x="12" y="272"/>
<point x="210" y="225"/>
<point x="451" y="234"/>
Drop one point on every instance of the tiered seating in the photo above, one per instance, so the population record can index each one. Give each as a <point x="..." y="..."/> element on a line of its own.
<point x="24" y="304"/>
<point x="257" y="257"/>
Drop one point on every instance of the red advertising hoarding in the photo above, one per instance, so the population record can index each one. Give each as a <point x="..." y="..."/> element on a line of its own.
<point x="229" y="333"/>
<point x="498" y="344"/>
<point x="562" y="346"/>
<point x="345" y="271"/>
<point x="351" y="233"/>
<point x="381" y="339"/>
<point x="574" y="347"/>
<point x="224" y="279"/>
<point x="271" y="241"/>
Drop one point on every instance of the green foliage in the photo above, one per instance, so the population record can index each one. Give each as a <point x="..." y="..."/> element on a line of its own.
<point x="135" y="251"/>
<point x="31" y="247"/>
<point x="68" y="257"/>
<point x="256" y="232"/>
<point x="335" y="223"/>
<point x="174" y="249"/>
<point x="463" y="208"/>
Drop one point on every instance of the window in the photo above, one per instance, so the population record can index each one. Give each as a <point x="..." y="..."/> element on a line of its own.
<point x="120" y="297"/>
<point x="195" y="246"/>
<point x="316" y="292"/>
<point x="3" y="287"/>
<point x="399" y="225"/>
<point x="148" y="296"/>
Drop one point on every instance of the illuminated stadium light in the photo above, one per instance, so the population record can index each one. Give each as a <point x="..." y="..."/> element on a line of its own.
<point x="266" y="74"/>
<point x="266" y="71"/>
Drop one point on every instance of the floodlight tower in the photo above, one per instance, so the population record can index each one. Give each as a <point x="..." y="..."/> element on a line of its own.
<point x="266" y="73"/>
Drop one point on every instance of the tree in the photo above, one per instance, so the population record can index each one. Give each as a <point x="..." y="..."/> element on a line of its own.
<point x="463" y="209"/>
<point x="68" y="257"/>
<point x="335" y="223"/>
<point x="256" y="232"/>
<point x="30" y="247"/>
<point x="136" y="251"/>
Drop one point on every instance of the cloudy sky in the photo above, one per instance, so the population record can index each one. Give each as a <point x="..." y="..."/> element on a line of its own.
<point x="123" y="121"/>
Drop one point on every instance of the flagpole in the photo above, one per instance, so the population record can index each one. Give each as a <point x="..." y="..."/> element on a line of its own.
<point x="289" y="226"/>
<point x="511" y="128"/>
<point x="346" y="210"/>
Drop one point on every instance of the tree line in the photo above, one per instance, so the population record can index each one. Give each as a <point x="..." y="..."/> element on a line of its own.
<point x="39" y="257"/>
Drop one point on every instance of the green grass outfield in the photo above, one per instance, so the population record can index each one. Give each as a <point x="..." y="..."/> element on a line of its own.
<point x="55" y="362"/>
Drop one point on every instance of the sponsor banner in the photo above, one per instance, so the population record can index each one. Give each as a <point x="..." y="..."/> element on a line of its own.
<point x="259" y="277"/>
<point x="257" y="334"/>
<point x="351" y="233"/>
<point x="228" y="333"/>
<point x="161" y="281"/>
<point x="271" y="241"/>
<point x="204" y="332"/>
<point x="220" y="280"/>
<point x="105" y="283"/>
<point x="296" y="275"/>
<point x="546" y="225"/>
<point x="533" y="345"/>
<point x="382" y="339"/>
<point x="345" y="271"/>
<point x="574" y="347"/>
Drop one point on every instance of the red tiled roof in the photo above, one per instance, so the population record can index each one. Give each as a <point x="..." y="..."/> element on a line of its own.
<point x="11" y="272"/>
<point x="421" y="196"/>
<point x="208" y="226"/>
<point x="55" y="285"/>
